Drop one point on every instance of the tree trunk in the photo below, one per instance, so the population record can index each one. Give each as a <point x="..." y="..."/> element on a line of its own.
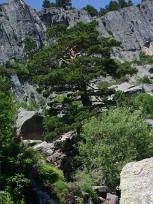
<point x="84" y="94"/>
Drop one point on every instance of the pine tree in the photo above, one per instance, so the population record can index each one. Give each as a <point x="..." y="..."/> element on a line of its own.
<point x="68" y="67"/>
<point x="91" y="10"/>
<point x="63" y="3"/>
<point x="46" y="4"/>
<point x="112" y="6"/>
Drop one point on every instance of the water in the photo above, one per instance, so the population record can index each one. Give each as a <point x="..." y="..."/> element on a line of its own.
<point x="43" y="197"/>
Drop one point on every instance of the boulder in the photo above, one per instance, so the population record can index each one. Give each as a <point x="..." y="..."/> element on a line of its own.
<point x="111" y="199"/>
<point x="148" y="88"/>
<point x="137" y="182"/>
<point x="31" y="143"/>
<point x="105" y="195"/>
<point x="29" y="125"/>
<point x="45" y="148"/>
<point x="128" y="88"/>
<point x="149" y="121"/>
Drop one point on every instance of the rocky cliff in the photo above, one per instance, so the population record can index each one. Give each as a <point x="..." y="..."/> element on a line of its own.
<point x="53" y="16"/>
<point x="133" y="26"/>
<point x="17" y="21"/>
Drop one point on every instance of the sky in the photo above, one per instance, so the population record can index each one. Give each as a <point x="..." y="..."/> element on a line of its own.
<point x="36" y="4"/>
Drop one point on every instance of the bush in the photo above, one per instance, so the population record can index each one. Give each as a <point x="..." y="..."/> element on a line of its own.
<point x="49" y="174"/>
<point x="140" y="101"/>
<point x="145" y="80"/>
<point x="60" y="190"/>
<point x="5" y="197"/>
<point x="111" y="141"/>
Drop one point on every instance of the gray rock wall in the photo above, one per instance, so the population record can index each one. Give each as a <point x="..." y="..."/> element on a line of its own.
<point x="133" y="26"/>
<point x="53" y="16"/>
<point x="17" y="21"/>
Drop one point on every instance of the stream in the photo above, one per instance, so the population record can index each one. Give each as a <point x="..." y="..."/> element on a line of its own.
<point x="43" y="197"/>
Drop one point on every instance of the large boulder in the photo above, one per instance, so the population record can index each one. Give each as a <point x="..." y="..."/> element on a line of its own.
<point x="137" y="182"/>
<point x="29" y="125"/>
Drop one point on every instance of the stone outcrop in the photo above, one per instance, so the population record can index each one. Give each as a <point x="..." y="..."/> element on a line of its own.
<point x="17" y="21"/>
<point x="133" y="27"/>
<point x="52" y="16"/>
<point x="25" y="91"/>
<point x="29" y="125"/>
<point x="137" y="182"/>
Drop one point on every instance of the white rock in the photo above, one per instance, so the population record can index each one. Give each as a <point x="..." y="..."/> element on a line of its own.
<point x="137" y="182"/>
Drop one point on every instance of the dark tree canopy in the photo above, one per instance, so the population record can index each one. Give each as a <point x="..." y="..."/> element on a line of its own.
<point x="91" y="10"/>
<point x="115" y="5"/>
<point x="63" y="3"/>
<point x="46" y="4"/>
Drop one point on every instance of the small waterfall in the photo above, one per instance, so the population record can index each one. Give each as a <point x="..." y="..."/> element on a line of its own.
<point x="43" y="197"/>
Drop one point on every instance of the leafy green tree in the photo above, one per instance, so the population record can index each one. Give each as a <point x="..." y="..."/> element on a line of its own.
<point x="110" y="141"/>
<point x="63" y="3"/>
<point x="46" y="4"/>
<point x="91" y="10"/>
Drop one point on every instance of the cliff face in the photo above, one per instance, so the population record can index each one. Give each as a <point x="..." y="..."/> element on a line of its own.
<point x="17" y="21"/>
<point x="52" y="16"/>
<point x="133" y="26"/>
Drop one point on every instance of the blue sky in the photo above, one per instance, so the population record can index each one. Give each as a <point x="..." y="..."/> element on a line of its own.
<point x="75" y="3"/>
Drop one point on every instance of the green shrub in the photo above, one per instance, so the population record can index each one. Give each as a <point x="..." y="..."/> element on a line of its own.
<point x="145" y="80"/>
<point x="60" y="190"/>
<point x="139" y="101"/>
<point x="144" y="59"/>
<point x="112" y="140"/>
<point x="143" y="102"/>
<point x="15" y="186"/>
<point x="86" y="187"/>
<point x="5" y="198"/>
<point x="50" y="174"/>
